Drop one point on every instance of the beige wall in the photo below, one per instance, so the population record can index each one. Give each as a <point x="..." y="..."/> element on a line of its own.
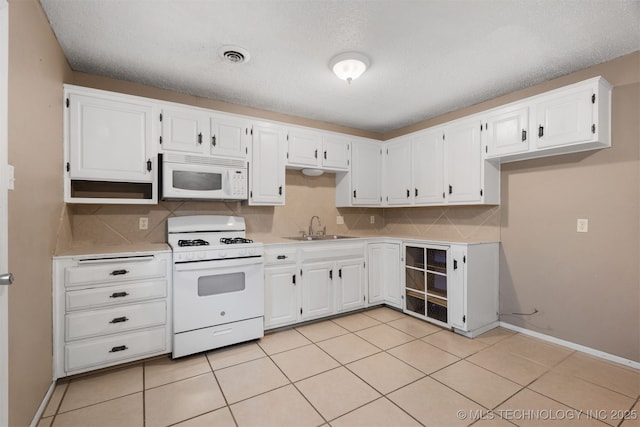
<point x="37" y="68"/>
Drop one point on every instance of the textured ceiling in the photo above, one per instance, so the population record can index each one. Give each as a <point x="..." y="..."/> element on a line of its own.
<point x="427" y="57"/>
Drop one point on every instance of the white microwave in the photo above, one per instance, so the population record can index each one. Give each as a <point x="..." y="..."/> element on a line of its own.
<point x="205" y="178"/>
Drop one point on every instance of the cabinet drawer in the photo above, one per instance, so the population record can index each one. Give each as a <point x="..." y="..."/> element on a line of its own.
<point x="127" y="269"/>
<point x="93" y="323"/>
<point x="105" y="351"/>
<point x="276" y="256"/>
<point x="112" y="295"/>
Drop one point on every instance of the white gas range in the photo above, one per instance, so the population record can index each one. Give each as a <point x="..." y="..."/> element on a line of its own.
<point x="218" y="283"/>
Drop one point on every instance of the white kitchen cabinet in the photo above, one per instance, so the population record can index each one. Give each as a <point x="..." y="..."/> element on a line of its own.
<point x="473" y="288"/>
<point x="569" y="119"/>
<point x="335" y="152"/>
<point x="109" y="139"/>
<point x="506" y="131"/>
<point x="452" y="285"/>
<point x="305" y="148"/>
<point x="281" y="295"/>
<point x="110" y="309"/>
<point x="463" y="161"/>
<point x="469" y="179"/>
<point x="384" y="274"/>
<point x="351" y="284"/>
<point x="366" y="173"/>
<point x="428" y="167"/>
<point x="230" y="136"/>
<point x="397" y="172"/>
<point x="565" y="117"/>
<point x="282" y="286"/>
<point x="317" y="150"/>
<point x="109" y="150"/>
<point x="268" y="157"/>
<point x="317" y="290"/>
<point x="185" y="130"/>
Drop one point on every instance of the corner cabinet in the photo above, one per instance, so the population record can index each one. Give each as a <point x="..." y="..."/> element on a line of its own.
<point x="363" y="185"/>
<point x="268" y="158"/>
<point x="110" y="155"/>
<point x="452" y="285"/>
<point x="383" y="260"/>
<point x="110" y="309"/>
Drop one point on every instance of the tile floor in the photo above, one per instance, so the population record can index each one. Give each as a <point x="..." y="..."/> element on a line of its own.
<point x="375" y="368"/>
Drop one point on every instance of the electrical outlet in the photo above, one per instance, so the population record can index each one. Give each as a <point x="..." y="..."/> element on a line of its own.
<point x="143" y="223"/>
<point x="339" y="220"/>
<point x="582" y="225"/>
<point x="372" y="219"/>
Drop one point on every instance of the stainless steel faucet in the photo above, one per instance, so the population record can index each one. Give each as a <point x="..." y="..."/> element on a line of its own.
<point x="319" y="225"/>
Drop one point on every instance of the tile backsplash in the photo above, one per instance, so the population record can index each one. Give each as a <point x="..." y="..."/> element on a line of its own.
<point x="88" y="225"/>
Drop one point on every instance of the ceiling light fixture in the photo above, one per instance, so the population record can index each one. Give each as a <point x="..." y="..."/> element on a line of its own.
<point x="349" y="65"/>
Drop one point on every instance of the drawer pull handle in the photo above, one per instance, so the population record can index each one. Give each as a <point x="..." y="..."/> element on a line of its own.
<point x="282" y="257"/>
<point x="119" y="319"/>
<point x="118" y="272"/>
<point x="118" y="348"/>
<point x="118" y="294"/>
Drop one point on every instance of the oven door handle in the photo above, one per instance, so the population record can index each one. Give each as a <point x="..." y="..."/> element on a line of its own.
<point x="216" y="264"/>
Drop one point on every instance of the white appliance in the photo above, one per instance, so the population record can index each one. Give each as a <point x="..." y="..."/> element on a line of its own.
<point x="218" y="283"/>
<point x="198" y="177"/>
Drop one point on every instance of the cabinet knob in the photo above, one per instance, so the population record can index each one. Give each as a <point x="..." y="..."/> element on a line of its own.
<point x="213" y="140"/>
<point x="200" y="138"/>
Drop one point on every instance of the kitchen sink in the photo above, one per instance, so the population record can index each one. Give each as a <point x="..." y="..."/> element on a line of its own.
<point x="313" y="238"/>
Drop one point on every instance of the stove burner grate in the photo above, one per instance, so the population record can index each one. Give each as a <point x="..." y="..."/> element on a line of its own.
<point x="234" y="240"/>
<point x="195" y="242"/>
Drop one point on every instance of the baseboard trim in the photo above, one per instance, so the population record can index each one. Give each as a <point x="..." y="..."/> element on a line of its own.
<point x="43" y="405"/>
<point x="591" y="351"/>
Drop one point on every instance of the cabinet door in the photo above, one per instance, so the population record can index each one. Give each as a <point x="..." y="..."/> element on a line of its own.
<point x="457" y="301"/>
<point x="185" y="130"/>
<point x="398" y="172"/>
<point x="366" y="169"/>
<point x="281" y="297"/>
<point x="109" y="140"/>
<point x="351" y="292"/>
<point x="229" y="136"/>
<point x="376" y="272"/>
<point x="335" y="152"/>
<point x="428" y="170"/>
<point x="506" y="132"/>
<point x="565" y="118"/>
<point x="267" y="166"/>
<point x="304" y="148"/>
<point x="463" y="162"/>
<point x="391" y="285"/>
<point x="317" y="290"/>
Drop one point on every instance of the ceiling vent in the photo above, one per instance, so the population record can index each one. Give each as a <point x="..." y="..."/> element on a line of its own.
<point x="234" y="54"/>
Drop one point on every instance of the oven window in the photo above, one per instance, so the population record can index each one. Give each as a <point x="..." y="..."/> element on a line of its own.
<point x="198" y="181"/>
<point x="220" y="284"/>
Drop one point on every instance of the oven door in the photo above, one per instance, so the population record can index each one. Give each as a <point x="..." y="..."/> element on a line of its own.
<point x="209" y="293"/>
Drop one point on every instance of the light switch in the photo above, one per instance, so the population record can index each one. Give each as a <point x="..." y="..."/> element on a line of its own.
<point x="372" y="219"/>
<point x="11" y="179"/>
<point x="339" y="220"/>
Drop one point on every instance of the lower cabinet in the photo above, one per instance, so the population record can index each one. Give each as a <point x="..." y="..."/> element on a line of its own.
<point x="110" y="309"/>
<point x="313" y="280"/>
<point x="384" y="273"/>
<point x="452" y="285"/>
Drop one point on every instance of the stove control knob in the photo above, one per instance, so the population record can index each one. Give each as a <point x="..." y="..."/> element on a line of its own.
<point x="190" y="255"/>
<point x="251" y="251"/>
<point x="222" y="254"/>
<point x="242" y="252"/>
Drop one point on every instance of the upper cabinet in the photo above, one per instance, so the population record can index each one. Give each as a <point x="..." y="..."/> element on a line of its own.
<point x="506" y="131"/>
<point x="109" y="151"/>
<point x="567" y="120"/>
<point x="230" y="136"/>
<point x="366" y="169"/>
<point x="463" y="161"/>
<point x="310" y="149"/>
<point x="397" y="172"/>
<point x="184" y="129"/>
<point x="266" y="179"/>
<point x="428" y="167"/>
